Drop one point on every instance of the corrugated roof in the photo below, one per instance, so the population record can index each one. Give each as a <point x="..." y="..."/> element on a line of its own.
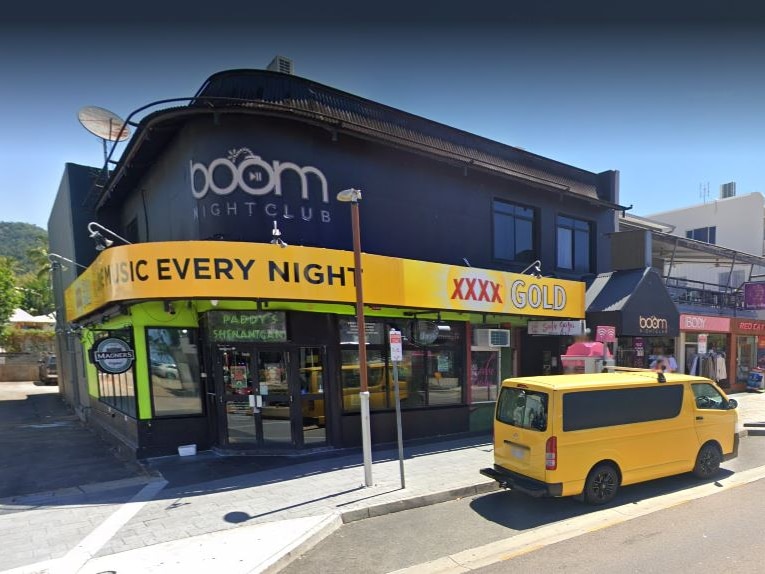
<point x="262" y="91"/>
<point x="308" y="96"/>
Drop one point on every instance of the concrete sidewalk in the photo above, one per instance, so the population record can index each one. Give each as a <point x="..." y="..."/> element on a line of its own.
<point x="259" y="522"/>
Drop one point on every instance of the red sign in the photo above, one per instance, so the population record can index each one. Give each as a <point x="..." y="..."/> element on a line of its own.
<point x="704" y="323"/>
<point x="605" y="334"/>
<point x="396" y="350"/>
<point x="469" y="289"/>
<point x="751" y="326"/>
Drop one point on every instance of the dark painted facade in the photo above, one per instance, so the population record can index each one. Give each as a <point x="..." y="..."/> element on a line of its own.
<point x="228" y="171"/>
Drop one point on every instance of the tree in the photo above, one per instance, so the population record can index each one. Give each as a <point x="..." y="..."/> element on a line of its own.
<point x="17" y="238"/>
<point x="36" y="294"/>
<point x="9" y="295"/>
<point x="36" y="287"/>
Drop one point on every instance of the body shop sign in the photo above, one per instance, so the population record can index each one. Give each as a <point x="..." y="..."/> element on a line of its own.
<point x="246" y="326"/>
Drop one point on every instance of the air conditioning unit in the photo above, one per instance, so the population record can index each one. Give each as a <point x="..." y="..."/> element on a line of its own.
<point x="491" y="337"/>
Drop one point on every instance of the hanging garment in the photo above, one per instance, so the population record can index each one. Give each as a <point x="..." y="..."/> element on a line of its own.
<point x="720" y="368"/>
<point x="694" y="365"/>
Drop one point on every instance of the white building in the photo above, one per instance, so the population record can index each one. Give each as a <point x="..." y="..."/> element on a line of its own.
<point x="736" y="222"/>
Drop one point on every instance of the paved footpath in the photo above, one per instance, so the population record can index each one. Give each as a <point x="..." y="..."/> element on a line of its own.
<point x="247" y="523"/>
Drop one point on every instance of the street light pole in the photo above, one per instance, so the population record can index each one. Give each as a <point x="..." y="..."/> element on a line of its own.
<point x="353" y="196"/>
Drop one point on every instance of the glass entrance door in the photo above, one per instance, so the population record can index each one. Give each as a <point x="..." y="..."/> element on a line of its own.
<point x="313" y="414"/>
<point x="271" y="396"/>
<point x="274" y="398"/>
<point x="235" y="389"/>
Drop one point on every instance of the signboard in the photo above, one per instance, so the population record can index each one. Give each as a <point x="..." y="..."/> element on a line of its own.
<point x="349" y="332"/>
<point x="702" y="346"/>
<point x="704" y="323"/>
<point x="750" y="326"/>
<point x="113" y="355"/>
<point x="396" y="349"/>
<point x="237" y="270"/>
<point x="754" y="295"/>
<point x="556" y="327"/>
<point x="605" y="334"/>
<point x="246" y="326"/>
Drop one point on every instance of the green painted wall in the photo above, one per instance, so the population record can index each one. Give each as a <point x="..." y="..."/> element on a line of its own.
<point x="153" y="314"/>
<point x="140" y="317"/>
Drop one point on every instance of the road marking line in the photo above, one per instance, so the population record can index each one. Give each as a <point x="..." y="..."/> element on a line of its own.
<point x="93" y="542"/>
<point x="531" y="540"/>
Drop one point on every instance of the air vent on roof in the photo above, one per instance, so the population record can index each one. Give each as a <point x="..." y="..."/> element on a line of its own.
<point x="281" y="64"/>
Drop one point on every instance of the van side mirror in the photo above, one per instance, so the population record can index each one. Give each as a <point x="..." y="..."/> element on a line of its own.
<point x="732" y="404"/>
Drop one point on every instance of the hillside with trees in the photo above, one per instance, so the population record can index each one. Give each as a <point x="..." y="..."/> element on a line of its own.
<point x="17" y="239"/>
<point x="26" y="269"/>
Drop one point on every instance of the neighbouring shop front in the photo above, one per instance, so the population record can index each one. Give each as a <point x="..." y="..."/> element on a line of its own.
<point x="249" y="347"/>
<point x="748" y="350"/>
<point x="637" y="303"/>
<point x="704" y="347"/>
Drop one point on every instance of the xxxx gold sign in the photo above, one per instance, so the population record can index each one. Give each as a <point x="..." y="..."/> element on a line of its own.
<point x="217" y="270"/>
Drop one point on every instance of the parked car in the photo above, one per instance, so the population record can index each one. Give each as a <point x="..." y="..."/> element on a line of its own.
<point x="48" y="371"/>
<point x="165" y="370"/>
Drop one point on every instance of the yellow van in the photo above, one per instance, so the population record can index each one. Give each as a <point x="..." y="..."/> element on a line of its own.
<point x="587" y="435"/>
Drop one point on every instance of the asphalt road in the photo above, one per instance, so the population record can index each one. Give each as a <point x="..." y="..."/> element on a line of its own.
<point x="387" y="543"/>
<point x="43" y="445"/>
<point x="720" y="533"/>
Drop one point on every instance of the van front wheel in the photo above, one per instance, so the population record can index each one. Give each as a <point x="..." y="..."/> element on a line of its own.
<point x="601" y="485"/>
<point x="707" y="461"/>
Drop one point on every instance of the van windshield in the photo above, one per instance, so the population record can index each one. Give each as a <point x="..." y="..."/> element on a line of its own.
<point x="522" y="408"/>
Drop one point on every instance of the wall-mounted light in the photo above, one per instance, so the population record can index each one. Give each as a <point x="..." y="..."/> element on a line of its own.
<point x="56" y="261"/>
<point x="277" y="236"/>
<point x="214" y="302"/>
<point x="169" y="308"/>
<point x="95" y="229"/>
<point x="536" y="269"/>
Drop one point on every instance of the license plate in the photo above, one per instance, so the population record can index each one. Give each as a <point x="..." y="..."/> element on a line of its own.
<point x="518" y="452"/>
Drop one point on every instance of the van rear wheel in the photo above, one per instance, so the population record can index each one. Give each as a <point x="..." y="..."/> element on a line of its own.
<point x="601" y="484"/>
<point x="708" y="461"/>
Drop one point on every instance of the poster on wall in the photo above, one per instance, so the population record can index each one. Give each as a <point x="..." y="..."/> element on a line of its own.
<point x="702" y="343"/>
<point x="754" y="295"/>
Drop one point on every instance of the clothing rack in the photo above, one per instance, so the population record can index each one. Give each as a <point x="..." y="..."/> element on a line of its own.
<point x="711" y="365"/>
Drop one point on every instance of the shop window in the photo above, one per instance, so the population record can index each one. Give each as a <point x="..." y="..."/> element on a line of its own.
<point x="513" y="232"/>
<point x="430" y="374"/>
<point x="176" y="388"/>
<point x="573" y="241"/>
<point x="705" y="234"/>
<point x="380" y="387"/>
<point x="117" y="390"/>
<point x="484" y="375"/>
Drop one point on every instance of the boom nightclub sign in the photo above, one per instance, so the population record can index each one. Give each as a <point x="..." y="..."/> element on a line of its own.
<point x="264" y="182"/>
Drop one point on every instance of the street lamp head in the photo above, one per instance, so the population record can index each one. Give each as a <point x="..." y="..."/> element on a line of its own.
<point x="349" y="195"/>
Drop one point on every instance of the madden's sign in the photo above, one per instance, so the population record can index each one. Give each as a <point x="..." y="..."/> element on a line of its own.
<point x="242" y="170"/>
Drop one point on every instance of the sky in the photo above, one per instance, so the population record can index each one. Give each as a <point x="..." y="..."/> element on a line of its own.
<point x="671" y="105"/>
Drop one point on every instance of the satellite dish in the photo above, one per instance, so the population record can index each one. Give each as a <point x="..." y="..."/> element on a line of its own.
<point x="103" y="123"/>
